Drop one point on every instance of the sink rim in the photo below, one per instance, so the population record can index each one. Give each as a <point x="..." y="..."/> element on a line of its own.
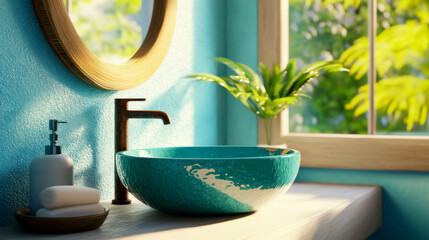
<point x="289" y="154"/>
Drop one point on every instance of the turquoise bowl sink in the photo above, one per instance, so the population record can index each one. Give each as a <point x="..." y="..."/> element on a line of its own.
<point x="208" y="180"/>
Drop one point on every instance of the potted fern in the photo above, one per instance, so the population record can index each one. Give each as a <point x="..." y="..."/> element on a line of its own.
<point x="278" y="89"/>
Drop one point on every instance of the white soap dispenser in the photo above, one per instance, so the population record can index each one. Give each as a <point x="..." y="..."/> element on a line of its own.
<point x="50" y="169"/>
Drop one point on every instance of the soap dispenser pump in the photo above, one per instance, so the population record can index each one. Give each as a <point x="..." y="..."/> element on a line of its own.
<point x="50" y="169"/>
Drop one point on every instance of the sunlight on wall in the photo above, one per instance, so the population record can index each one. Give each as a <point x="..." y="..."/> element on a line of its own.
<point x="36" y="87"/>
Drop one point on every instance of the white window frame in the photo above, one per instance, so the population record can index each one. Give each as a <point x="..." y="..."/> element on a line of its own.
<point x="346" y="151"/>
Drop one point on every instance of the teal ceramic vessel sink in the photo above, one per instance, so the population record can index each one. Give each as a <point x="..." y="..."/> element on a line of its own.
<point x="208" y="180"/>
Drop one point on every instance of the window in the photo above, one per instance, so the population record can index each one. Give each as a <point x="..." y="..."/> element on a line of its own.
<point x="398" y="69"/>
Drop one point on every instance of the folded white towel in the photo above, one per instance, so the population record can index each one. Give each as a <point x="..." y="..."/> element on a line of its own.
<point x="66" y="196"/>
<point x="76" y="211"/>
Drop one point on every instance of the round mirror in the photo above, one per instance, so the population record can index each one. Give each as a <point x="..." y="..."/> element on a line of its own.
<point x="113" y="30"/>
<point x="114" y="44"/>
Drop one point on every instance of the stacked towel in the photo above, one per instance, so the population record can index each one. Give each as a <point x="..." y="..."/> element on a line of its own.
<point x="76" y="211"/>
<point x="69" y="201"/>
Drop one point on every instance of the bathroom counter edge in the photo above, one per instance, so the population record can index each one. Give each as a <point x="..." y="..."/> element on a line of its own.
<point x="306" y="211"/>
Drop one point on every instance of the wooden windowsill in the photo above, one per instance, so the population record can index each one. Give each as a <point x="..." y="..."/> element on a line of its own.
<point x="368" y="152"/>
<point x="307" y="211"/>
<point x="352" y="151"/>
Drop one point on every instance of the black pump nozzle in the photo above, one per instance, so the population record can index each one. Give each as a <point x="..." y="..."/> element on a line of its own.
<point x="53" y="148"/>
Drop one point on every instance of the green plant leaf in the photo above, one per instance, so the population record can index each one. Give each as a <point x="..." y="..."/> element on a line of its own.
<point x="266" y="75"/>
<point x="278" y="90"/>
<point x="253" y="78"/>
<point x="207" y="77"/>
<point x="233" y="65"/>
<point x="312" y="71"/>
<point x="287" y="80"/>
<point x="276" y="84"/>
<point x="280" y="102"/>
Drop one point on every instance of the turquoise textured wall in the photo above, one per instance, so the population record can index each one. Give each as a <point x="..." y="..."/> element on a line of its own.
<point x="242" y="46"/>
<point x="35" y="86"/>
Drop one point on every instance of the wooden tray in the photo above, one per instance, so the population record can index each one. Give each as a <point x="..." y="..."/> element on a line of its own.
<point x="59" y="225"/>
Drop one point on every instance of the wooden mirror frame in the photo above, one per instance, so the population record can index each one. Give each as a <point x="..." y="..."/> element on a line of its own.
<point x="68" y="45"/>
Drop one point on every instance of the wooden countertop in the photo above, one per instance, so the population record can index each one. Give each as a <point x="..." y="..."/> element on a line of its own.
<point x="307" y="211"/>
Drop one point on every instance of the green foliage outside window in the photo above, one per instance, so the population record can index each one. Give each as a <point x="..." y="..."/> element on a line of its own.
<point x="334" y="29"/>
<point x="402" y="61"/>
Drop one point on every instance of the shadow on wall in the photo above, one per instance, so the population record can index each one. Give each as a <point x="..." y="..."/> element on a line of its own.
<point x="36" y="86"/>
<point x="387" y="231"/>
<point x="15" y="175"/>
<point x="14" y="193"/>
<point x="149" y="133"/>
<point x="209" y="99"/>
<point x="39" y="88"/>
<point x="86" y="166"/>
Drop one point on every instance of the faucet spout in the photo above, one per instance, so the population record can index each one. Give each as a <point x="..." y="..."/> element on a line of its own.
<point x="122" y="114"/>
<point x="149" y="114"/>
